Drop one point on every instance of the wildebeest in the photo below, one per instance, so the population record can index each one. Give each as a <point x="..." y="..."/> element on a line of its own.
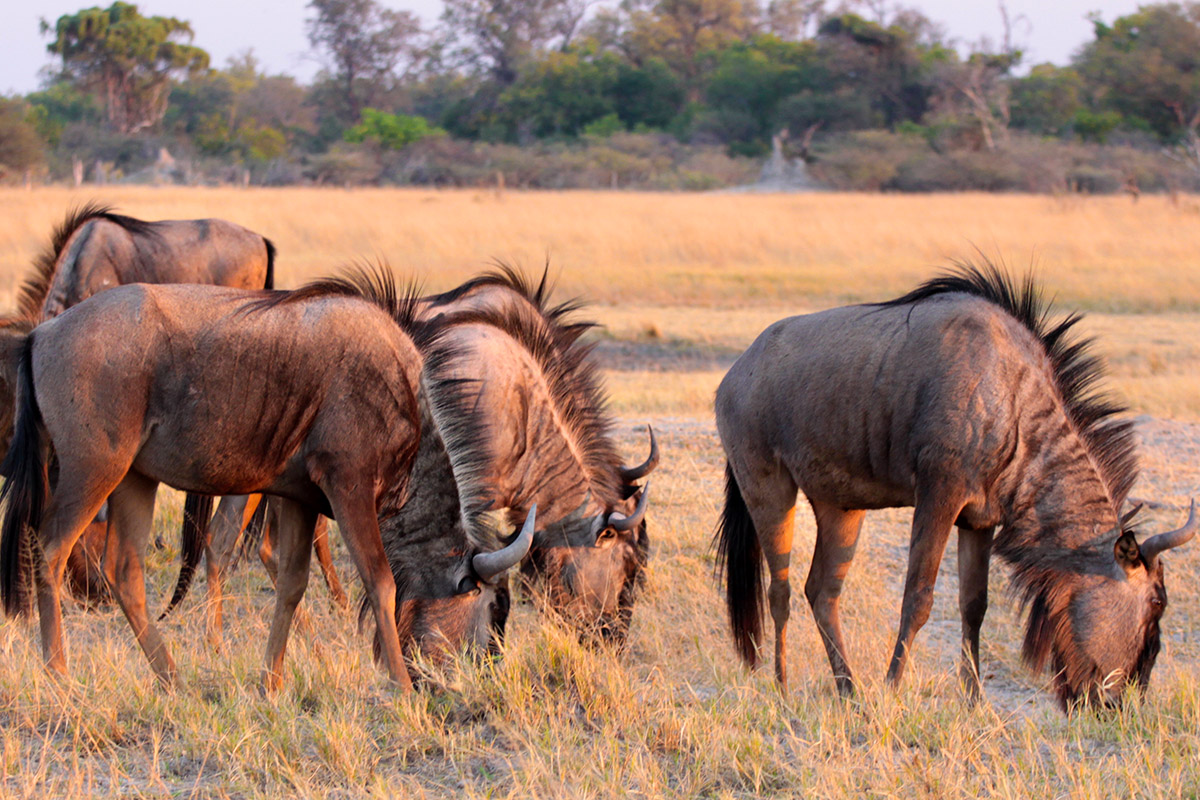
<point x="534" y="389"/>
<point x="334" y="425"/>
<point x="541" y="437"/>
<point x="964" y="400"/>
<point x="95" y="249"/>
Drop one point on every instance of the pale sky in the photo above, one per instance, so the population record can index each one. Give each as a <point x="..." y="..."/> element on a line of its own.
<point x="274" y="29"/>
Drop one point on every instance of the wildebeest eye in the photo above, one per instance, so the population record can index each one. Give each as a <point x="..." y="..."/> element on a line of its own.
<point x="467" y="585"/>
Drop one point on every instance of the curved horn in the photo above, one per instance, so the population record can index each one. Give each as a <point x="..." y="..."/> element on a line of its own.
<point x="489" y="566"/>
<point x="619" y="522"/>
<point x="1130" y="514"/>
<point x="629" y="474"/>
<point x="1160" y="542"/>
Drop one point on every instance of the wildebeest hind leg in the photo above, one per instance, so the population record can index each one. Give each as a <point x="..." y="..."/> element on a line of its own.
<point x="771" y="501"/>
<point x="837" y="538"/>
<point x="61" y="528"/>
<point x="218" y="555"/>
<point x="130" y="520"/>
<point x="933" y="518"/>
<point x="974" y="552"/>
<point x="293" y="532"/>
<point x="325" y="559"/>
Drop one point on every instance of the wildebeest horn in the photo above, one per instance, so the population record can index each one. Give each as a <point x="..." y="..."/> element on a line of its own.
<point x="619" y="522"/>
<point x="1161" y="542"/>
<point x="489" y="566"/>
<point x="1130" y="514"/>
<point x="646" y="467"/>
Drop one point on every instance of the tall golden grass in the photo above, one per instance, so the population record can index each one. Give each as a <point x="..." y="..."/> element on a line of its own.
<point x="683" y="282"/>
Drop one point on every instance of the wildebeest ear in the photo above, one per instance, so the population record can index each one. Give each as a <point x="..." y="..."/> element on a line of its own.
<point x="1126" y="552"/>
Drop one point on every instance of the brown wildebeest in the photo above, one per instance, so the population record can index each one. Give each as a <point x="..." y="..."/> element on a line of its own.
<point x="95" y="249"/>
<point x="334" y="426"/>
<point x="963" y="400"/>
<point x="543" y="440"/>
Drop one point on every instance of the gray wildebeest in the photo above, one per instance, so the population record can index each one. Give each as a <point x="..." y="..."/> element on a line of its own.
<point x="540" y="436"/>
<point x="534" y="390"/>
<point x="95" y="249"/>
<point x="333" y="427"/>
<point x="963" y="400"/>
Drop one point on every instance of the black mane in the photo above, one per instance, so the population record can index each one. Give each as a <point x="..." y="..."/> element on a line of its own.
<point x="35" y="287"/>
<point x="374" y="283"/>
<point x="504" y="276"/>
<point x="1077" y="371"/>
<point x="553" y="340"/>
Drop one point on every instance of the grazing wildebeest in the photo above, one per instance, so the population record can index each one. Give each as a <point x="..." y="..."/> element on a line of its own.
<point x="541" y="437"/>
<point x="333" y="425"/>
<point x="963" y="400"/>
<point x="95" y="249"/>
<point x="535" y="392"/>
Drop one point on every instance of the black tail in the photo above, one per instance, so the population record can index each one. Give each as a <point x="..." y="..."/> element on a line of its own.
<point x="739" y="557"/>
<point x="24" y="492"/>
<point x="197" y="514"/>
<point x="255" y="528"/>
<point x="269" y="283"/>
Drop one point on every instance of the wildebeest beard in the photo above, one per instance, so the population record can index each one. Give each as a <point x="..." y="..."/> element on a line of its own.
<point x="1050" y="635"/>
<point x="591" y="587"/>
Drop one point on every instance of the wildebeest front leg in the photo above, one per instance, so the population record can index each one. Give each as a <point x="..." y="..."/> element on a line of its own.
<point x="130" y="520"/>
<point x="837" y="538"/>
<point x="227" y="524"/>
<point x="293" y="534"/>
<point x="932" y="520"/>
<point x="360" y="531"/>
<point x="974" y="552"/>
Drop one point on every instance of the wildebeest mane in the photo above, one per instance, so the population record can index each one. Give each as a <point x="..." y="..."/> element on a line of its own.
<point x="1076" y="370"/>
<point x="565" y="331"/>
<point x="374" y="283"/>
<point x="36" y="286"/>
<point x="571" y="377"/>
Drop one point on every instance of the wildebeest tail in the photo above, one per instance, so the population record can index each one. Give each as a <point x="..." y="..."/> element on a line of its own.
<point x="269" y="283"/>
<point x="24" y="494"/>
<point x="197" y="515"/>
<point x="740" y="564"/>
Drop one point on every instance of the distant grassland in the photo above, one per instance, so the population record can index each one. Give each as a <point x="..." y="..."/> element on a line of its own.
<point x="712" y="250"/>
<point x="682" y="284"/>
<point x="699" y="275"/>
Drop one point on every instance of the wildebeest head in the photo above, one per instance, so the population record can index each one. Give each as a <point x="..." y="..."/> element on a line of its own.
<point x="465" y="608"/>
<point x="1099" y="629"/>
<point x="590" y="563"/>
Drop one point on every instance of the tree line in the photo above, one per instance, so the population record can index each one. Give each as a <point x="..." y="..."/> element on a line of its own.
<point x="864" y="94"/>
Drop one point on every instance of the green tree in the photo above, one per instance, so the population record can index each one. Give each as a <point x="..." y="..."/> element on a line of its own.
<point x="20" y="145"/>
<point x="61" y="104"/>
<point x="1047" y="99"/>
<point x="1145" y="67"/>
<point x="365" y="44"/>
<point x="390" y="131"/>
<point x="126" y="58"/>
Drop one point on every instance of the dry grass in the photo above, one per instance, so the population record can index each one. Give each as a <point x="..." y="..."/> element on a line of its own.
<point x="684" y="283"/>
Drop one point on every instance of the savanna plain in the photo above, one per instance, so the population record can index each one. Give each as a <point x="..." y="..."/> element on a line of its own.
<point x="681" y="284"/>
